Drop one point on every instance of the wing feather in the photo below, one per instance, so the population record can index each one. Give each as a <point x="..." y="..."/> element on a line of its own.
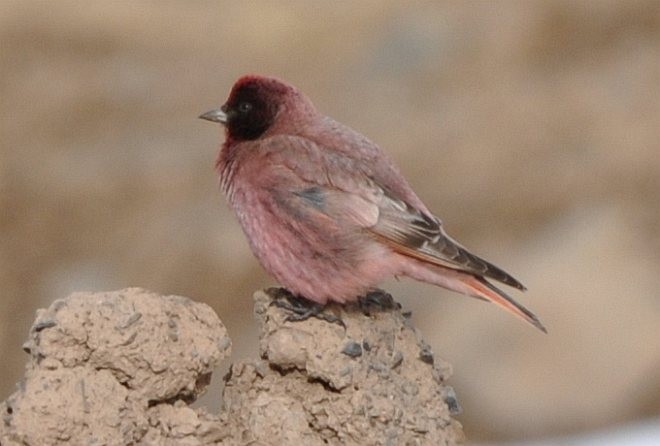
<point x="411" y="232"/>
<point x="348" y="189"/>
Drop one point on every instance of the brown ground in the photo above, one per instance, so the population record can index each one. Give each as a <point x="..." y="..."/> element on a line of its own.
<point x="122" y="368"/>
<point x="531" y="128"/>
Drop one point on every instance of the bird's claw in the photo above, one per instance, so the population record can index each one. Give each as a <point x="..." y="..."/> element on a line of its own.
<point x="379" y="299"/>
<point x="301" y="309"/>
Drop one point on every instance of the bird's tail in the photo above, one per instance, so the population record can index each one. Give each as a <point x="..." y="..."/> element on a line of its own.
<point x="467" y="283"/>
<point x="483" y="289"/>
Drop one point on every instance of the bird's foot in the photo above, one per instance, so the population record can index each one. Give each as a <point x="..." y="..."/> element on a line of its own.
<point x="379" y="299"/>
<point x="301" y="309"/>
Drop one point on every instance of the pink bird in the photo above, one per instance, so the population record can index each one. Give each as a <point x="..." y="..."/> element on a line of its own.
<point x="326" y="211"/>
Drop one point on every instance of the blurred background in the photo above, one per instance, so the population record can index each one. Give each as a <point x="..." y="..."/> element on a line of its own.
<point x="531" y="127"/>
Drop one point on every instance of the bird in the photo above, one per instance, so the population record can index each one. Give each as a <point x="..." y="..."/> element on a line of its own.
<point x="327" y="212"/>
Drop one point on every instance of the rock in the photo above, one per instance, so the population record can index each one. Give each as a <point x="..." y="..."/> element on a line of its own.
<point x="308" y="390"/>
<point x="101" y="365"/>
<point x="123" y="368"/>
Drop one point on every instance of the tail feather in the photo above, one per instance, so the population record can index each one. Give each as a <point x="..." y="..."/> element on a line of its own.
<point x="486" y="290"/>
<point x="467" y="283"/>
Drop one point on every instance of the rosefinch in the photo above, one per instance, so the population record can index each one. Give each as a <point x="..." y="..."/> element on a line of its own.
<point x="326" y="212"/>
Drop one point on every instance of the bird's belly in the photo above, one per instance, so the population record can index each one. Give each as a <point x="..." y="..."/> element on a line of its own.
<point x="317" y="263"/>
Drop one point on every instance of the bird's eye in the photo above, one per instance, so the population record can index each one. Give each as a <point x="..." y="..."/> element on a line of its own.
<point x="244" y="107"/>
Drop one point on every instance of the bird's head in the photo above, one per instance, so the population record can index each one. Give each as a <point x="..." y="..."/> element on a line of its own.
<point x="258" y="104"/>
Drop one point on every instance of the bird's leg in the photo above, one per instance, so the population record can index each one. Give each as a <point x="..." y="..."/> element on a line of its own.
<point x="301" y="309"/>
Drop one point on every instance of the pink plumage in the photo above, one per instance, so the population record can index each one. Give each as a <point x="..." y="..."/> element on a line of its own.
<point x="326" y="211"/>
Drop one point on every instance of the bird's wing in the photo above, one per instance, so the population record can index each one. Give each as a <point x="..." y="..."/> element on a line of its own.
<point x="416" y="234"/>
<point x="343" y="188"/>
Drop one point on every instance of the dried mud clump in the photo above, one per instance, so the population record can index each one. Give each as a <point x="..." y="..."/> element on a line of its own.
<point x="123" y="367"/>
<point x="115" y="368"/>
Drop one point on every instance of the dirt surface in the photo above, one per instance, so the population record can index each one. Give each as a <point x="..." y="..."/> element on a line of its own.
<point x="113" y="368"/>
<point x="123" y="368"/>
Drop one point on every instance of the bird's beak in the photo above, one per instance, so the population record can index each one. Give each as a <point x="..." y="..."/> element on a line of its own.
<point x="215" y="115"/>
